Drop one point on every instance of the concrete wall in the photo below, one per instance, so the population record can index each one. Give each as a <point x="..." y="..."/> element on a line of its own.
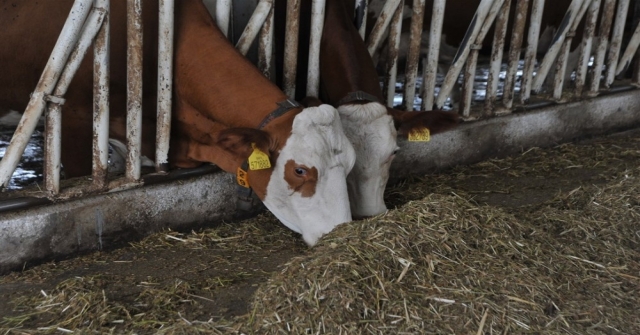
<point x="104" y="221"/>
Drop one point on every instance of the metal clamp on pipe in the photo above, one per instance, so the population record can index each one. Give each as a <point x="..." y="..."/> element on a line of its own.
<point x="59" y="100"/>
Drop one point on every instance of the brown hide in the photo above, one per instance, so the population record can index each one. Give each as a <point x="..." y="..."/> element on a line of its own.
<point x="216" y="88"/>
<point x="346" y="66"/>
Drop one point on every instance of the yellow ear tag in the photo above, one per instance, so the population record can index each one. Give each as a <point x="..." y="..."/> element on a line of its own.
<point x="258" y="159"/>
<point x="242" y="178"/>
<point x="419" y="135"/>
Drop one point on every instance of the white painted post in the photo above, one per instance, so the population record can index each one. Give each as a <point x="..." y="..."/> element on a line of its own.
<point x="497" y="51"/>
<point x="134" y="89"/>
<point x="317" y="24"/>
<point x="101" y="101"/>
<point x="632" y="47"/>
<point x="586" y="46"/>
<point x="364" y="5"/>
<point x="63" y="47"/>
<point x="165" y="83"/>
<point x="517" y="36"/>
<point x="430" y="68"/>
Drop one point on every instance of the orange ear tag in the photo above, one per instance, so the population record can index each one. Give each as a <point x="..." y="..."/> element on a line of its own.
<point x="242" y="178"/>
<point x="419" y="135"/>
<point x="258" y="159"/>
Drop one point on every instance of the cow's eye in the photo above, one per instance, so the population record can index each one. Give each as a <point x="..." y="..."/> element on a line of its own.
<point x="396" y="151"/>
<point x="300" y="172"/>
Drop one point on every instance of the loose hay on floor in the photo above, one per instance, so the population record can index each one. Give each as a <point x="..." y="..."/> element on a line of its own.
<point x="446" y="265"/>
<point x="440" y="263"/>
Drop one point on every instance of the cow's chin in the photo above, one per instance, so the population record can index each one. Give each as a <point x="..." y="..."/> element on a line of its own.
<point x="367" y="197"/>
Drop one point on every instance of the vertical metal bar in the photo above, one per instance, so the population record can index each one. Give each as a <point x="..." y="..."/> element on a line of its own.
<point x="223" y="15"/>
<point x="375" y="37"/>
<point x="463" y="52"/>
<point x="253" y="26"/>
<point x="550" y="58"/>
<point x="517" y="36"/>
<point x="361" y="7"/>
<point x="472" y="61"/>
<point x="291" y="47"/>
<point x="601" y="48"/>
<point x="54" y="115"/>
<point x="134" y="89"/>
<point x="46" y="84"/>
<point x="616" y="41"/>
<point x="165" y="83"/>
<point x="413" y="57"/>
<point x="101" y="101"/>
<point x="586" y="46"/>
<point x="632" y="47"/>
<point x="53" y="123"/>
<point x="497" y="51"/>
<point x="561" y="64"/>
<point x="265" y="47"/>
<point x="394" y="44"/>
<point x="532" y="48"/>
<point x="317" y="25"/>
<point x="430" y="68"/>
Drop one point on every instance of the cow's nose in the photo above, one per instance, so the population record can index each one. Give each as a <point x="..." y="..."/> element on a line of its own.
<point x="362" y="217"/>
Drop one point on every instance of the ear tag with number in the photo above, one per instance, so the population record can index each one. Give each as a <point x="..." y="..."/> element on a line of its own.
<point x="258" y="159"/>
<point x="242" y="178"/>
<point x="419" y="135"/>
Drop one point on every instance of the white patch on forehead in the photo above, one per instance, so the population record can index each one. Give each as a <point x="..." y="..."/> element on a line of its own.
<point x="373" y="135"/>
<point x="316" y="141"/>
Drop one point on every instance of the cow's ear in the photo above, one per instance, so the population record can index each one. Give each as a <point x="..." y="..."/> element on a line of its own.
<point x="239" y="143"/>
<point x="311" y="101"/>
<point x="436" y="121"/>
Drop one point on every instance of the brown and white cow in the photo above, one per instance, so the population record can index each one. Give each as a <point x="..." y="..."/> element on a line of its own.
<point x="349" y="81"/>
<point x="223" y="111"/>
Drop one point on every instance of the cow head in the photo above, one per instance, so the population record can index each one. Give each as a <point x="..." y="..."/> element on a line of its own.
<point x="305" y="185"/>
<point x="373" y="135"/>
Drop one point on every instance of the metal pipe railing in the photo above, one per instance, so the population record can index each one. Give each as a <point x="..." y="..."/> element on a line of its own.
<point x="381" y="25"/>
<point x="317" y="24"/>
<point x="101" y="70"/>
<point x="602" y="45"/>
<point x="223" y="15"/>
<point x="53" y="124"/>
<point x="537" y="8"/>
<point x="430" y="67"/>
<point x="165" y="83"/>
<point x="395" y="30"/>
<point x="616" y="41"/>
<point x="134" y="89"/>
<point x="63" y="47"/>
<point x="265" y="46"/>
<point x="413" y="55"/>
<point x="472" y="60"/>
<point x="464" y="50"/>
<point x="291" y="47"/>
<point x="586" y="46"/>
<point x="517" y="36"/>
<point x="254" y="25"/>
<point x="362" y="6"/>
<point x="496" y="58"/>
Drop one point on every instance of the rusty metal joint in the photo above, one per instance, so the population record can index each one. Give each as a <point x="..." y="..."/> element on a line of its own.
<point x="59" y="100"/>
<point x="571" y="33"/>
<point x="475" y="46"/>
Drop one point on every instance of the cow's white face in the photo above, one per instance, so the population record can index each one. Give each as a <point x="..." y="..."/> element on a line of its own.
<point x="307" y="190"/>
<point x="373" y="135"/>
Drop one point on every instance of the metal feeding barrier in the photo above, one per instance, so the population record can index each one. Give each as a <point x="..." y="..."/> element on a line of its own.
<point x="596" y="39"/>
<point x="88" y="23"/>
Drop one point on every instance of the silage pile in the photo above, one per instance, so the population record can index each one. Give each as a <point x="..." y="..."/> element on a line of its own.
<point x="446" y="265"/>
